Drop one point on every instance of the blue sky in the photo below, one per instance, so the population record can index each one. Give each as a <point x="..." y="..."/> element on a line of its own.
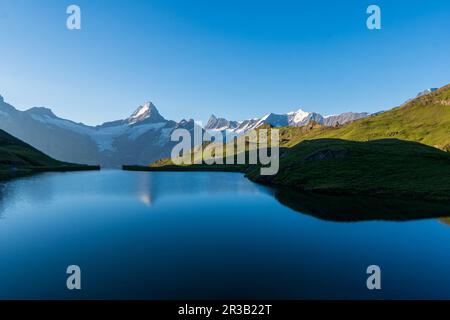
<point x="234" y="58"/>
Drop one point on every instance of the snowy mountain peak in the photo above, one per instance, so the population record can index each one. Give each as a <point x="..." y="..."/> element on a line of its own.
<point x="147" y="112"/>
<point x="297" y="116"/>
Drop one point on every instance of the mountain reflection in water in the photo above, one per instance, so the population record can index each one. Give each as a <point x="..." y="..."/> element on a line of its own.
<point x="357" y="208"/>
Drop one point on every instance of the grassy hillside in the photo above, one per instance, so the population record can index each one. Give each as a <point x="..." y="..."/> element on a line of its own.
<point x="18" y="159"/>
<point x="425" y="119"/>
<point x="388" y="167"/>
<point x="395" y="154"/>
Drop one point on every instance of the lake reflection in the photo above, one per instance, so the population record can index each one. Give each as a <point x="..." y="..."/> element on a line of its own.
<point x="200" y="235"/>
<point x="352" y="208"/>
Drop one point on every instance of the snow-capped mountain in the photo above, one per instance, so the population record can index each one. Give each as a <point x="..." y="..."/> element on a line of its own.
<point x="139" y="139"/>
<point x="294" y="118"/>
<point x="147" y="112"/>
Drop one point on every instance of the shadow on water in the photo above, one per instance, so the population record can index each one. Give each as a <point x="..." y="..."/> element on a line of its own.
<point x="148" y="188"/>
<point x="356" y="208"/>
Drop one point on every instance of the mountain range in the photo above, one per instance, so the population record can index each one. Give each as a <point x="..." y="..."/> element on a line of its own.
<point x="140" y="139"/>
<point x="399" y="153"/>
<point x="292" y="119"/>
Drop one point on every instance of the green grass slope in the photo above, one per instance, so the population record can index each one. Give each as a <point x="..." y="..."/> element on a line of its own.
<point x="398" y="153"/>
<point x="18" y="159"/>
<point x="388" y="167"/>
<point x="425" y="119"/>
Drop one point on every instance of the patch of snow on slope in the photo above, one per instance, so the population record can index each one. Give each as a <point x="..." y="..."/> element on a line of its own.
<point x="140" y="130"/>
<point x="165" y="136"/>
<point x="104" y="137"/>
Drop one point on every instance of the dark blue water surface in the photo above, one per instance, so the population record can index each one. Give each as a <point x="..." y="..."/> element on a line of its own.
<point x="201" y="235"/>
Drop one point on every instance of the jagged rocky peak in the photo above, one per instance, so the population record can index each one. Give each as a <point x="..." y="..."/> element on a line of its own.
<point x="220" y="123"/>
<point x="212" y="122"/>
<point x="146" y="112"/>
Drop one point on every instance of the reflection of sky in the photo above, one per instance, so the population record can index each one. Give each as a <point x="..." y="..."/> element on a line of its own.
<point x="156" y="185"/>
<point x="218" y="233"/>
<point x="145" y="187"/>
<point x="148" y="188"/>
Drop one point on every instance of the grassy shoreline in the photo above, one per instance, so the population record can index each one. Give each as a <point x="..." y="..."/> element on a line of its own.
<point x="386" y="168"/>
<point x="199" y="167"/>
<point x="383" y="168"/>
<point x="323" y="191"/>
<point x="400" y="153"/>
<point x="7" y="174"/>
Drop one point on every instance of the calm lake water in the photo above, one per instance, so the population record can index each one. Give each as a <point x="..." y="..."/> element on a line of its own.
<point x="207" y="235"/>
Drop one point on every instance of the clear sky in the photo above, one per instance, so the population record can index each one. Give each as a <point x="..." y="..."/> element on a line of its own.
<point x="234" y="58"/>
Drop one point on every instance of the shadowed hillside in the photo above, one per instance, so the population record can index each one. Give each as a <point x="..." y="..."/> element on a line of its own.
<point x="18" y="159"/>
<point x="387" y="167"/>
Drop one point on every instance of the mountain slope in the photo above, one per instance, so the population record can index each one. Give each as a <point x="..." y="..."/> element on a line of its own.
<point x="388" y="167"/>
<point x="425" y="119"/>
<point x="61" y="139"/>
<point x="317" y="158"/>
<point x="18" y="158"/>
<point x="17" y="153"/>
<point x="385" y="168"/>
<point x="142" y="136"/>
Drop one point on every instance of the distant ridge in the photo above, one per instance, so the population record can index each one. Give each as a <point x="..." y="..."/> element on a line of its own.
<point x="141" y="138"/>
<point x="293" y="119"/>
